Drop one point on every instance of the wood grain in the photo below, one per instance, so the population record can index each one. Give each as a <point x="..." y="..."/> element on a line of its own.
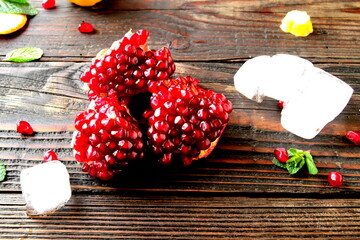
<point x="195" y="30"/>
<point x="236" y="193"/>
<point x="49" y="95"/>
<point x="182" y="217"/>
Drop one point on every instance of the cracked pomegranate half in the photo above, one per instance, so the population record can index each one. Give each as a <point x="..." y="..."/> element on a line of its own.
<point x="126" y="68"/>
<point x="183" y="121"/>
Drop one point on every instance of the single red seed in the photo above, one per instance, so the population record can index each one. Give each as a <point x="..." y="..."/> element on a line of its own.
<point x="335" y="179"/>
<point x="353" y="136"/>
<point x="47" y="4"/>
<point x="281" y="104"/>
<point x="281" y="154"/>
<point x="24" y="127"/>
<point x="50" y="156"/>
<point x="86" y="27"/>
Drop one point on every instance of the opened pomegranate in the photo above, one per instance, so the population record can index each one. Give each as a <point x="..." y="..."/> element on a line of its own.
<point x="183" y="120"/>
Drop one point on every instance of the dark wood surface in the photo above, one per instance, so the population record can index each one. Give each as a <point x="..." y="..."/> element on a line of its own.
<point x="236" y="193"/>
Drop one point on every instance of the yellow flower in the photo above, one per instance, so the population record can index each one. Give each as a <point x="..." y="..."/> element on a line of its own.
<point x="297" y="23"/>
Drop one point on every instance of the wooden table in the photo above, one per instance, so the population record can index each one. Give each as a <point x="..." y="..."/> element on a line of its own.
<point x="236" y="193"/>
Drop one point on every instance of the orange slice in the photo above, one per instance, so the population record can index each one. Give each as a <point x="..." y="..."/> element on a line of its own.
<point x="10" y="22"/>
<point x="85" y="3"/>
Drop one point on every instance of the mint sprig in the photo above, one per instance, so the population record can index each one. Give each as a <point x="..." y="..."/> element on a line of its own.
<point x="17" y="1"/>
<point x="297" y="160"/>
<point x="25" y="54"/>
<point x="310" y="163"/>
<point x="2" y="171"/>
<point x="17" y="7"/>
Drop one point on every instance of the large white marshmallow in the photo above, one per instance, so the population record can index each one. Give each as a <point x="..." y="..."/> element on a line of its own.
<point x="312" y="96"/>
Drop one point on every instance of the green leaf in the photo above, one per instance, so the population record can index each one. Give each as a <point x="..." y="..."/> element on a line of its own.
<point x="278" y="163"/>
<point x="294" y="152"/>
<point x="2" y="171"/>
<point x="17" y="1"/>
<point x="294" y="164"/>
<point x="310" y="163"/>
<point x="18" y="8"/>
<point x="25" y="54"/>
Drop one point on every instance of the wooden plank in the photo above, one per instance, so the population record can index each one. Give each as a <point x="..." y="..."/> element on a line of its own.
<point x="184" y="217"/>
<point x="195" y="30"/>
<point x="49" y="95"/>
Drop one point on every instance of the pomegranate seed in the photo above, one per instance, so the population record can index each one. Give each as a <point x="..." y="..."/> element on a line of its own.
<point x="24" y="127"/>
<point x="281" y="154"/>
<point x="335" y="179"/>
<point x="281" y="104"/>
<point x="50" y="156"/>
<point x="47" y="4"/>
<point x="86" y="27"/>
<point x="353" y="136"/>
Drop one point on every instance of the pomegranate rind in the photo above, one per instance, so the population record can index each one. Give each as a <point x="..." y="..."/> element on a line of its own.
<point x="205" y="153"/>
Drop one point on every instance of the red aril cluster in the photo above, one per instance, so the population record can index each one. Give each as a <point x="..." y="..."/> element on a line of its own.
<point x="183" y="121"/>
<point x="107" y="138"/>
<point x="126" y="68"/>
<point x="185" y="118"/>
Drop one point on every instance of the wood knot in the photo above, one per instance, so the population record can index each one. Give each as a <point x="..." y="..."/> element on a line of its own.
<point x="180" y="43"/>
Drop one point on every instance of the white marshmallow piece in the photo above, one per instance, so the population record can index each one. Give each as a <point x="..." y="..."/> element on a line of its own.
<point x="312" y="96"/>
<point x="249" y="78"/>
<point x="285" y="76"/>
<point x="324" y="98"/>
<point x="45" y="187"/>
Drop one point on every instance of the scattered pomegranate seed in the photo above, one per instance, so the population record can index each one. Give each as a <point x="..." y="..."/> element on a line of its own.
<point x="281" y="104"/>
<point x="281" y="154"/>
<point x="47" y="4"/>
<point x="353" y="136"/>
<point x="24" y="127"/>
<point x="335" y="179"/>
<point x="50" y="156"/>
<point x="86" y="27"/>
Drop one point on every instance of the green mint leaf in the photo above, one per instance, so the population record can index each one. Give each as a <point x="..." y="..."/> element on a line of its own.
<point x="25" y="54"/>
<point x="17" y="1"/>
<point x="310" y="163"/>
<point x="294" y="164"/>
<point x="294" y="152"/>
<point x="2" y="171"/>
<point x="278" y="163"/>
<point x="18" y="8"/>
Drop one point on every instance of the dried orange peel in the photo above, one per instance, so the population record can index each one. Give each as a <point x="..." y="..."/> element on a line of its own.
<point x="11" y="22"/>
<point x="297" y="23"/>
